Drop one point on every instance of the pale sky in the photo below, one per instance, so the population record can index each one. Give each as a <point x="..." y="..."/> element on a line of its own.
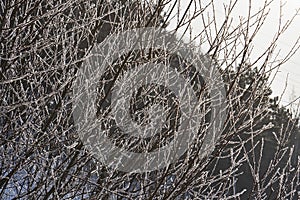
<point x="292" y="67"/>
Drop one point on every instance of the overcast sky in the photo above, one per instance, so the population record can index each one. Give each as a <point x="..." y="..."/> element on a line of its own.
<point x="292" y="67"/>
